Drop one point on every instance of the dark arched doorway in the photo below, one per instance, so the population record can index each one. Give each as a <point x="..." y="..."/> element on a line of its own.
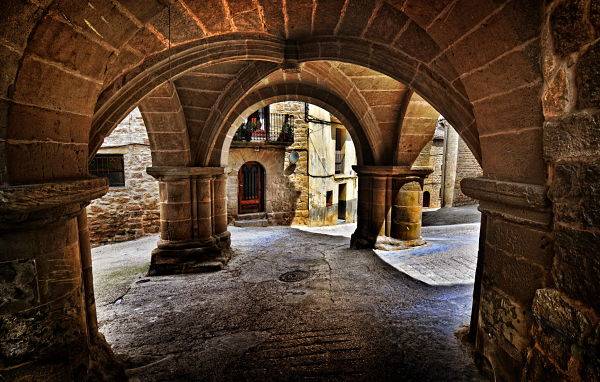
<point x="251" y="188"/>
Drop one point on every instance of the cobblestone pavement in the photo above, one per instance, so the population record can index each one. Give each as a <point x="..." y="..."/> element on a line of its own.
<point x="353" y="318"/>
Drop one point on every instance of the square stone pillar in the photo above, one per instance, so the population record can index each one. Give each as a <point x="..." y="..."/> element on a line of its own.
<point x="389" y="206"/>
<point x="514" y="265"/>
<point x="193" y="220"/>
<point x="48" y="328"/>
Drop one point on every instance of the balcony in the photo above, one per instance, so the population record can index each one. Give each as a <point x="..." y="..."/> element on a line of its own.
<point x="279" y="128"/>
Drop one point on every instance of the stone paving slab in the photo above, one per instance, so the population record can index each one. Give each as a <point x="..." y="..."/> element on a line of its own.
<point x="448" y="258"/>
<point x="354" y="318"/>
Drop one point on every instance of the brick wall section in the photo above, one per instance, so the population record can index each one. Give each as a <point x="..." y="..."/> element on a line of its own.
<point x="126" y="213"/>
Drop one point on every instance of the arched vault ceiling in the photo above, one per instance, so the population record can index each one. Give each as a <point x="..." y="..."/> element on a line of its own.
<point x="77" y="67"/>
<point x="376" y="99"/>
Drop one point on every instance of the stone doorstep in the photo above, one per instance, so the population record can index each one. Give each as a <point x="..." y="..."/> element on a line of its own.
<point x="253" y="216"/>
<point x="251" y="223"/>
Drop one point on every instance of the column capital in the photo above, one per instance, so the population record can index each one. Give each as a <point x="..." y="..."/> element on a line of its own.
<point x="47" y="201"/>
<point x="176" y="172"/>
<point x="519" y="202"/>
<point x="393" y="171"/>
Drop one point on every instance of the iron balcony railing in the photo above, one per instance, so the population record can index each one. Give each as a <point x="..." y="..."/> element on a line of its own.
<point x="279" y="128"/>
<point x="339" y="161"/>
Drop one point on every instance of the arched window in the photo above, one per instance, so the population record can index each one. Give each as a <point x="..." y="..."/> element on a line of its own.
<point x="426" y="199"/>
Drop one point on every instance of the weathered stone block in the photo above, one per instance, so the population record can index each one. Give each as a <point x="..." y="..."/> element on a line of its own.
<point x="520" y="241"/>
<point x="588" y="78"/>
<point x="568" y="28"/>
<point x="517" y="277"/>
<point x="506" y="322"/>
<point x="540" y="369"/>
<point x="577" y="264"/>
<point x="553" y="310"/>
<point x="18" y="284"/>
<point x="574" y="136"/>
<point x="18" y="19"/>
<point x="514" y="156"/>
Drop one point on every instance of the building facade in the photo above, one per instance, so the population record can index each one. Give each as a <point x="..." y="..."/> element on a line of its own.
<point x="130" y="209"/>
<point x="305" y="178"/>
<point x="451" y="161"/>
<point x="301" y="165"/>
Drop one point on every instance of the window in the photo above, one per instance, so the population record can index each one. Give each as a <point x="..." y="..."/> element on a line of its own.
<point x="339" y="151"/>
<point x="340" y="137"/>
<point x="329" y="199"/>
<point x="109" y="166"/>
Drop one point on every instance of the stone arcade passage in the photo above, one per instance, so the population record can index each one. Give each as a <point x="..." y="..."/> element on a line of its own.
<point x="518" y="80"/>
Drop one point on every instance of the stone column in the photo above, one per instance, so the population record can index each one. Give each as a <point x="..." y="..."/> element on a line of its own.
<point x="450" y="161"/>
<point x="517" y="263"/>
<point x="193" y="230"/>
<point x="48" y="327"/>
<point x="219" y="211"/>
<point x="390" y="201"/>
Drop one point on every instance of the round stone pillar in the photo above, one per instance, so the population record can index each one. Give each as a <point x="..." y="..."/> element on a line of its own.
<point x="389" y="206"/>
<point x="48" y="327"/>
<point x="407" y="208"/>
<point x="194" y="235"/>
<point x="449" y="168"/>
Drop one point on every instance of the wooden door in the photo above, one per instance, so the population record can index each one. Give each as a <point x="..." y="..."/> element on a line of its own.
<point x="251" y="185"/>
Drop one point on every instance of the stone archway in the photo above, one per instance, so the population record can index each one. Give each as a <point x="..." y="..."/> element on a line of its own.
<point x="70" y="74"/>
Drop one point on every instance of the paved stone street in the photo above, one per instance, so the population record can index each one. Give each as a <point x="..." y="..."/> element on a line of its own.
<point x="354" y="317"/>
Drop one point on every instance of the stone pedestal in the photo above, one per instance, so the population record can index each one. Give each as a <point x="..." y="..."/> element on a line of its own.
<point x="515" y="261"/>
<point x="193" y="220"/>
<point x="390" y="200"/>
<point x="48" y="328"/>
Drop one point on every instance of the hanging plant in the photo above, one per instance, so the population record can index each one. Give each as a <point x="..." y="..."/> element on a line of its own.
<point x="249" y="127"/>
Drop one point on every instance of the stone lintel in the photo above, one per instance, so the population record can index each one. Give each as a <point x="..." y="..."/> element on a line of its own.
<point x="393" y="171"/>
<point x="522" y="203"/>
<point x="48" y="199"/>
<point x="175" y="172"/>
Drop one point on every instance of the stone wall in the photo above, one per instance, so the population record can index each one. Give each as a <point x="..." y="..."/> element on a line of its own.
<point x="129" y="212"/>
<point x="433" y="155"/>
<point x="286" y="186"/>
<point x="567" y="311"/>
<point x="466" y="167"/>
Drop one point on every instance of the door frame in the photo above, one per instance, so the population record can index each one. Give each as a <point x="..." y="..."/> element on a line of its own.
<point x="261" y="186"/>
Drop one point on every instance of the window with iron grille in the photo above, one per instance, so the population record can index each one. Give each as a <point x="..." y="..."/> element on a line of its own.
<point x="109" y="166"/>
<point x="329" y="198"/>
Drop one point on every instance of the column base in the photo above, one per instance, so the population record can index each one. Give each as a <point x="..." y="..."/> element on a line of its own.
<point x="387" y="243"/>
<point x="362" y="240"/>
<point x="191" y="257"/>
<point x="223" y="240"/>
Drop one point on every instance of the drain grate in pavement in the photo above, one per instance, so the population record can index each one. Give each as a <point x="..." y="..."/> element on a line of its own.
<point x="294" y="276"/>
